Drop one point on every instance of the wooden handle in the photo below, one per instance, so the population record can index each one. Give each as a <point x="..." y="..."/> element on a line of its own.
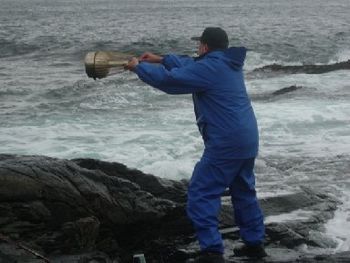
<point x="117" y="63"/>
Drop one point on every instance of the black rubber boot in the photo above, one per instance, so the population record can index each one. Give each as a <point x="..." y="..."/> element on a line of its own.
<point x="208" y="257"/>
<point x="257" y="251"/>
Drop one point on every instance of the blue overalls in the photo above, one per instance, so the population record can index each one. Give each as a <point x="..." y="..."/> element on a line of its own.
<point x="227" y="123"/>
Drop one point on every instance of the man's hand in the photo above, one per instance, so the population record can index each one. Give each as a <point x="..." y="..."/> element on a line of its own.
<point x="151" y="58"/>
<point x="133" y="62"/>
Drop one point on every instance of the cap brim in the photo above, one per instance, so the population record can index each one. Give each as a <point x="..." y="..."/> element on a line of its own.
<point x="196" y="38"/>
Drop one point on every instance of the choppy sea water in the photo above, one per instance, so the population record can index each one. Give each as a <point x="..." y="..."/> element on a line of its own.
<point x="48" y="106"/>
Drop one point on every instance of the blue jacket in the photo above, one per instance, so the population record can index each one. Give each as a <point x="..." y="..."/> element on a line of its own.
<point x="224" y="114"/>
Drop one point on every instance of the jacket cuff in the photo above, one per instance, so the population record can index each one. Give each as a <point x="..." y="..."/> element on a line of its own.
<point x="167" y="61"/>
<point x="137" y="69"/>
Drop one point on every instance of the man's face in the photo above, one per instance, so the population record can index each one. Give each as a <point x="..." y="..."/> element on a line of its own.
<point x="202" y="48"/>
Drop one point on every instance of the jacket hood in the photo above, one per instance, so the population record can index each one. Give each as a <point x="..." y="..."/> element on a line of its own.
<point x="233" y="56"/>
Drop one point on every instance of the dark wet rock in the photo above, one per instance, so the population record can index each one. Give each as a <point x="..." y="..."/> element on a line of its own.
<point x="56" y="206"/>
<point x="285" y="235"/>
<point x="282" y="255"/>
<point x="82" y="233"/>
<point x="12" y="254"/>
<point x="86" y="210"/>
<point x="286" y="90"/>
<point x="92" y="257"/>
<point x="307" y="69"/>
<point x="159" y="187"/>
<point x="307" y="197"/>
<point x="334" y="258"/>
<point x="283" y="93"/>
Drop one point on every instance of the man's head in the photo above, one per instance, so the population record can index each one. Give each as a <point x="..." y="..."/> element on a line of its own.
<point x="212" y="38"/>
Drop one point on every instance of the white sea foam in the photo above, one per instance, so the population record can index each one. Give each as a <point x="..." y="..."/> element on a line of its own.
<point x="275" y="192"/>
<point x="312" y="121"/>
<point x="149" y="130"/>
<point x="310" y="130"/>
<point x="341" y="56"/>
<point x="338" y="227"/>
<point x="292" y="216"/>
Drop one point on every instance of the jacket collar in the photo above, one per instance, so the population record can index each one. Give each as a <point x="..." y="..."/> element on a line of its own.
<point x="208" y="53"/>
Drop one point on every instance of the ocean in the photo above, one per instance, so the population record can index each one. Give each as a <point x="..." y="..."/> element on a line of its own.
<point x="48" y="106"/>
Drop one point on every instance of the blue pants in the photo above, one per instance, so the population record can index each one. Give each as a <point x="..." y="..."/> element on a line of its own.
<point x="209" y="180"/>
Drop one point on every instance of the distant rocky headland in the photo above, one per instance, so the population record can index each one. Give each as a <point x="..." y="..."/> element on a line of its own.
<point x="86" y="210"/>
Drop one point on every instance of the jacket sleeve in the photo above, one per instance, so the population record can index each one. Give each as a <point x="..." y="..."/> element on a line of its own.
<point x="184" y="80"/>
<point x="174" y="61"/>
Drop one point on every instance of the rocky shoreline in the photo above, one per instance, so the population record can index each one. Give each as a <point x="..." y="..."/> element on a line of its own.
<point x="86" y="210"/>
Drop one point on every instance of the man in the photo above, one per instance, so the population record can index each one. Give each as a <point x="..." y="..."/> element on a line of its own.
<point x="227" y="123"/>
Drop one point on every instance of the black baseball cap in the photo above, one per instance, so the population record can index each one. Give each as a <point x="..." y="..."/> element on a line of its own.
<point x="214" y="37"/>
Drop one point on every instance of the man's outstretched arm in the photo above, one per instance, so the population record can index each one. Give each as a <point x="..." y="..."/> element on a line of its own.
<point x="169" y="61"/>
<point x="183" y="80"/>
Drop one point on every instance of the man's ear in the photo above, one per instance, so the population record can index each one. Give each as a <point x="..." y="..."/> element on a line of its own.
<point x="206" y="48"/>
